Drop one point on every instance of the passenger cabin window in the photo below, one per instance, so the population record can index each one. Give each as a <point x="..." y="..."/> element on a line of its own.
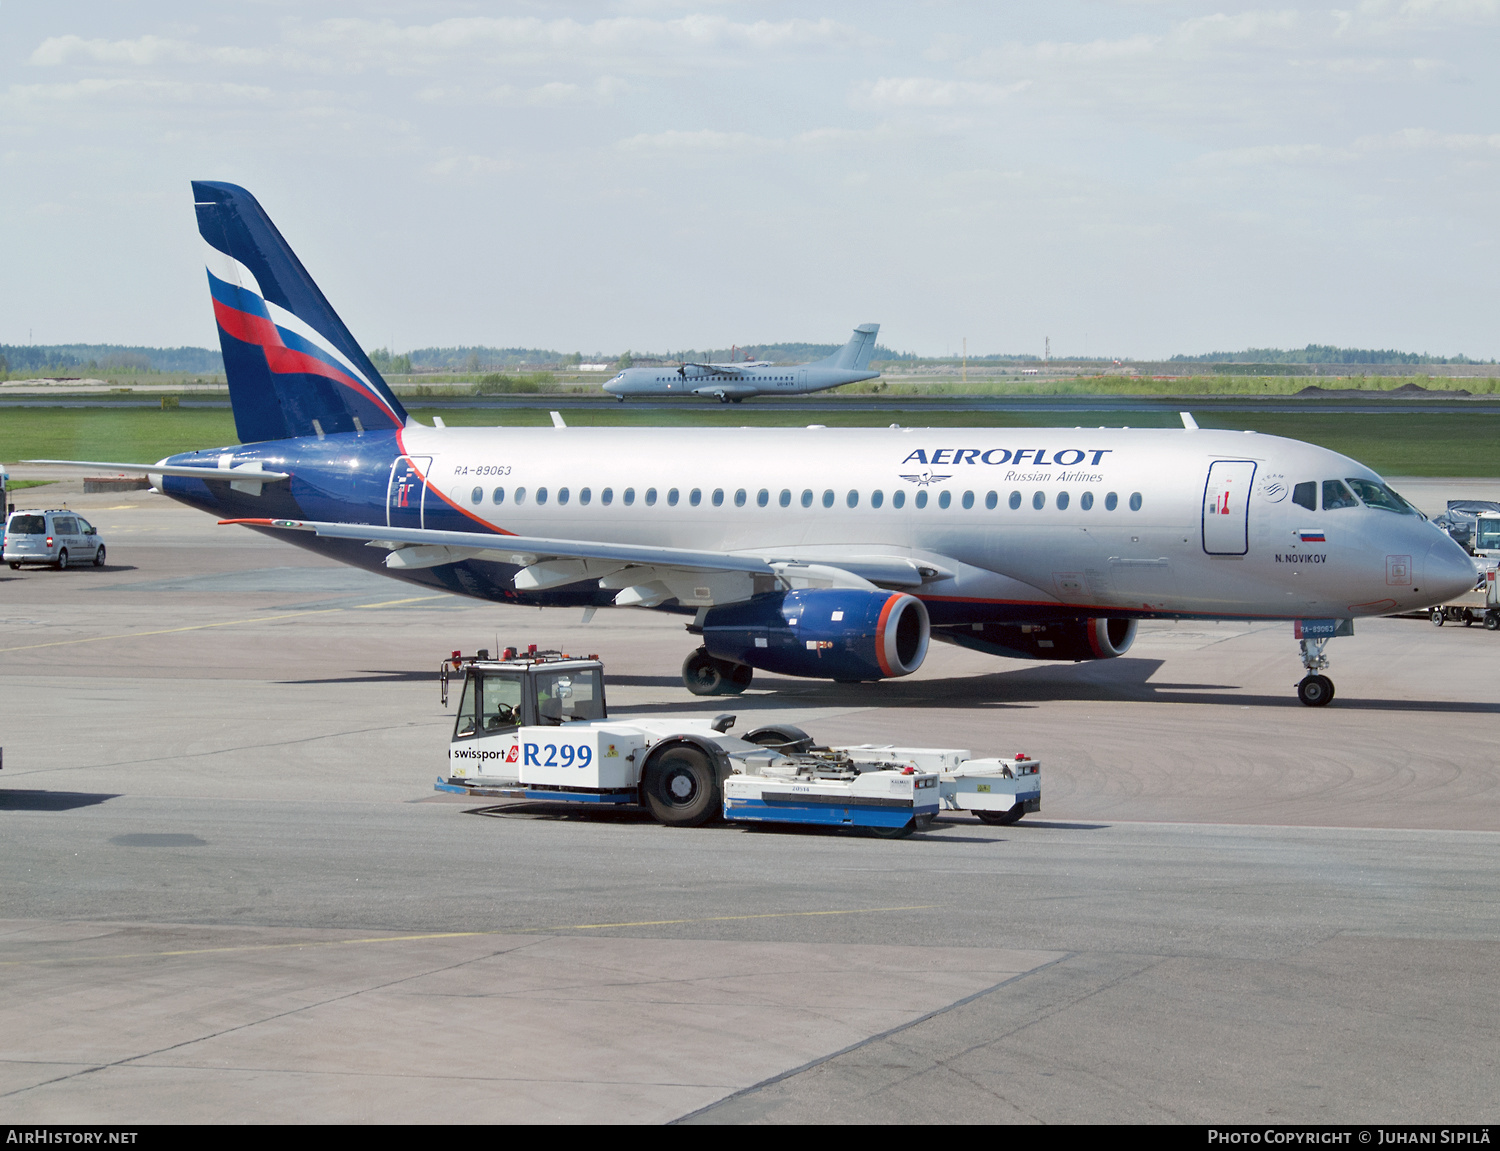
<point x="628" y="497"/>
<point x="1062" y="501"/>
<point x="1039" y="500"/>
<point x="497" y="496"/>
<point x="695" y="497"/>
<point x="607" y="496"/>
<point x="877" y="497"/>
<point x="807" y="498"/>
<point x="852" y="499"/>
<point x="541" y="495"/>
<point x="671" y="497"/>
<point x="828" y="498"/>
<point x="1306" y="495"/>
<point x="762" y="498"/>
<point x="1111" y="502"/>
<point x="476" y="496"/>
<point x="584" y="495"/>
<point x="650" y="497"/>
<point x="945" y="498"/>
<point x="786" y="497"/>
<point x="1086" y="500"/>
<point x="739" y="497"/>
<point x="921" y="499"/>
<point x="898" y="499"/>
<point x="1135" y="501"/>
<point x="562" y="495"/>
<point x="520" y="495"/>
<point x="718" y="497"/>
<point x="1336" y="495"/>
<point x="1015" y="500"/>
<point x="991" y="501"/>
<point x="968" y="500"/>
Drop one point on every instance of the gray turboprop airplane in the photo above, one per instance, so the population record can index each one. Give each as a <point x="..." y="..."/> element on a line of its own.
<point x="731" y="383"/>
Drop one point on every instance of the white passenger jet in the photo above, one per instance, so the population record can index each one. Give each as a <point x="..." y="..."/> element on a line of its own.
<point x="733" y="382"/>
<point x="833" y="553"/>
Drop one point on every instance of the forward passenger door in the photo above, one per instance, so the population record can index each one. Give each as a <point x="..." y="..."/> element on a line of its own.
<point x="1226" y="507"/>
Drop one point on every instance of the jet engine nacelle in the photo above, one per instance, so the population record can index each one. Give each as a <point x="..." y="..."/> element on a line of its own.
<point x="824" y="633"/>
<point x="1073" y="639"/>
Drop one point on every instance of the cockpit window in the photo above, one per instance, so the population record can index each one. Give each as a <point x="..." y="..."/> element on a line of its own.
<point x="1306" y="495"/>
<point x="1336" y="495"/>
<point x="1377" y="495"/>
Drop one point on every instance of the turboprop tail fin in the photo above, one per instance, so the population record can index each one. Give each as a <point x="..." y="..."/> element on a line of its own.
<point x="855" y="355"/>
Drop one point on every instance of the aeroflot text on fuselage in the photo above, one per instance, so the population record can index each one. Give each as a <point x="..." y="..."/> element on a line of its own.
<point x="1038" y="456"/>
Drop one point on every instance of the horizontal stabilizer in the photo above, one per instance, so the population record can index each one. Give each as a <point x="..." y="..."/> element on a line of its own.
<point x="241" y="473"/>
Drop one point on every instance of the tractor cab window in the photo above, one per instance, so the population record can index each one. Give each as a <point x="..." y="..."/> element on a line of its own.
<point x="466" y="708"/>
<point x="1336" y="495"/>
<point x="1487" y="534"/>
<point x="491" y="702"/>
<point x="569" y="696"/>
<point x="1306" y="495"/>
<point x="500" y="702"/>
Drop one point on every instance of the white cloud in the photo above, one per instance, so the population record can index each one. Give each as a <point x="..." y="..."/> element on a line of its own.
<point x="120" y="89"/>
<point x="703" y="140"/>
<point x="924" y="92"/>
<point x="351" y="43"/>
<point x="143" y="51"/>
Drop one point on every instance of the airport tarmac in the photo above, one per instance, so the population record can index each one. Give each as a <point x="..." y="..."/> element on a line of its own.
<point x="232" y="895"/>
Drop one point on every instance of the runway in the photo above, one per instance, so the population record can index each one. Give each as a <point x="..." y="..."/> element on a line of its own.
<point x="232" y="894"/>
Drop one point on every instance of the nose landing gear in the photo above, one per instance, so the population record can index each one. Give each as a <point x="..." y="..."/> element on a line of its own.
<point x="1316" y="689"/>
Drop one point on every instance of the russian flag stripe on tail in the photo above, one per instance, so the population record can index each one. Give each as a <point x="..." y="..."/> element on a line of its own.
<point x="292" y="365"/>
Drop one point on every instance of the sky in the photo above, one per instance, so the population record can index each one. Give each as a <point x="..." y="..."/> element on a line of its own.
<point x="1134" y="178"/>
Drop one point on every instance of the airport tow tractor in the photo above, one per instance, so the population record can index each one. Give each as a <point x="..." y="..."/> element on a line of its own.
<point x="1480" y="605"/>
<point x="533" y="725"/>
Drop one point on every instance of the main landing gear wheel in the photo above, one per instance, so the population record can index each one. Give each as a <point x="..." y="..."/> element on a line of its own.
<point x="682" y="789"/>
<point x="1315" y="690"/>
<point x="1437" y="617"/>
<point x="1002" y="818"/>
<point x="704" y="675"/>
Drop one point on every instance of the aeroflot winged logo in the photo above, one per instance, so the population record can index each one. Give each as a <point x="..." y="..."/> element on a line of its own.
<point x="922" y="479"/>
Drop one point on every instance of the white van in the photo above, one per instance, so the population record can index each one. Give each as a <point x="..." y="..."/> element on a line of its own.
<point x="55" y="537"/>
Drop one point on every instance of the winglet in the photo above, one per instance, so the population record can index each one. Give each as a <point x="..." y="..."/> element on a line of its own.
<point x="1188" y="422"/>
<point x="557" y="420"/>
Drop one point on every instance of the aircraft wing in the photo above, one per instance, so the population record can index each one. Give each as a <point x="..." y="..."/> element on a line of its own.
<point x="523" y="550"/>
<point x="721" y="369"/>
<point x="645" y="575"/>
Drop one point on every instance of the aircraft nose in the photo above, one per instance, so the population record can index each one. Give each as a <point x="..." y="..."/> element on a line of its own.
<point x="1447" y="572"/>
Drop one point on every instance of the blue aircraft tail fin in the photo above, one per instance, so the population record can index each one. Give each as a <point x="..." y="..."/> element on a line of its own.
<point x="855" y="355"/>
<point x="293" y="368"/>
